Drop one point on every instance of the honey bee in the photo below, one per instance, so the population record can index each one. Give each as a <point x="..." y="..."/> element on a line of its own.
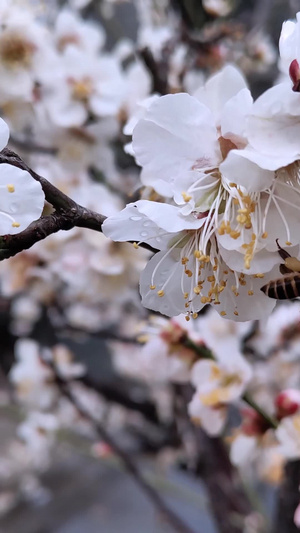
<point x="287" y="287"/>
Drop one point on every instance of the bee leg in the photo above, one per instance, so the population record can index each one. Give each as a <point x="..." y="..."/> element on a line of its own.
<point x="284" y="269"/>
<point x="283" y="253"/>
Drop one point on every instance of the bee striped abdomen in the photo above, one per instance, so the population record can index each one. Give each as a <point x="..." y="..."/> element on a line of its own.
<point x="285" y="288"/>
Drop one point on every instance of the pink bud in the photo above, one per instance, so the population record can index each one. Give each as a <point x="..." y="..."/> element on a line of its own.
<point x="253" y="423"/>
<point x="294" y="72"/>
<point x="173" y="333"/>
<point x="287" y="402"/>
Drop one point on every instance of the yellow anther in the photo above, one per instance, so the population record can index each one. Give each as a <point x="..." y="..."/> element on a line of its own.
<point x="186" y="196"/>
<point x="189" y="273"/>
<point x="186" y="295"/>
<point x="235" y="313"/>
<point x="259" y="275"/>
<point x="232" y="184"/>
<point x="10" y="188"/>
<point x="223" y="313"/>
<point x="135" y="245"/>
<point x="250" y="293"/>
<point x="195" y="315"/>
<point x="215" y="268"/>
<point x="288" y="243"/>
<point x="187" y="304"/>
<point x="187" y="318"/>
<point x="184" y="260"/>
<point x="152" y="287"/>
<point x="204" y="300"/>
<point x="264" y="235"/>
<point x="235" y="234"/>
<point x="16" y="225"/>
<point x="225" y="272"/>
<point x="211" y="278"/>
<point x="197" y="290"/>
<point x="197" y="254"/>
<point x="243" y="282"/>
<point x="160" y="293"/>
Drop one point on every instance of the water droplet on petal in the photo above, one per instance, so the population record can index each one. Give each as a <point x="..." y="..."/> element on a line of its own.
<point x="144" y="233"/>
<point x="135" y="218"/>
<point x="147" y="223"/>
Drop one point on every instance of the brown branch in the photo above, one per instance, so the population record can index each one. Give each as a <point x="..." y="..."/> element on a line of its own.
<point x="68" y="214"/>
<point x="158" y="71"/>
<point x="174" y="520"/>
<point x="288" y="500"/>
<point x="32" y="146"/>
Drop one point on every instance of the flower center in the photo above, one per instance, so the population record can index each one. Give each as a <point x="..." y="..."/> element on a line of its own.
<point x="15" y="50"/>
<point x="81" y="89"/>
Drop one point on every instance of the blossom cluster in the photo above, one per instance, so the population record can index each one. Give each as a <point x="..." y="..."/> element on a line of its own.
<point x="225" y="176"/>
<point x="217" y="199"/>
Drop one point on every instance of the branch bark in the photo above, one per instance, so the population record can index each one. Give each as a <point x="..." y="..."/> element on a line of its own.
<point x="68" y="214"/>
<point x="288" y="499"/>
<point x="172" y="518"/>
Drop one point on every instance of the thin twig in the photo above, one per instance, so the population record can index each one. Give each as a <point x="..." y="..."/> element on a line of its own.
<point x="128" y="463"/>
<point x="32" y="146"/>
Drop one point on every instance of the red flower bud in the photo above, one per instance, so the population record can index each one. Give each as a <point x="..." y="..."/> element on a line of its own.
<point x="287" y="402"/>
<point x="294" y="72"/>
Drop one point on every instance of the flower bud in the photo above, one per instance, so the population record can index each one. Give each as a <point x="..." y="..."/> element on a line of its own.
<point x="253" y="423"/>
<point x="287" y="402"/>
<point x="294" y="72"/>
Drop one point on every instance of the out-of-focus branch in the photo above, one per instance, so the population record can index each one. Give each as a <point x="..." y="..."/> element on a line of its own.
<point x="158" y="71"/>
<point x="288" y="500"/>
<point x="174" y="520"/>
<point x="228" y="499"/>
<point x="32" y="146"/>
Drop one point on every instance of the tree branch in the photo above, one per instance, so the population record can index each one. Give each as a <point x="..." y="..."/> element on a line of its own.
<point x="68" y="214"/>
<point x="174" y="520"/>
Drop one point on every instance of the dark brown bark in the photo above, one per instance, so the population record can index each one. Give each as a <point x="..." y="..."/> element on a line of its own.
<point x="288" y="499"/>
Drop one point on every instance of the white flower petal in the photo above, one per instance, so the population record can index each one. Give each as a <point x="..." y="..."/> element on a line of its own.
<point x="234" y="114"/>
<point x="22" y="206"/>
<point x="242" y="449"/>
<point x="168" y="217"/>
<point x="242" y="167"/>
<point x="176" y="133"/>
<point x="130" y="224"/>
<point x="254" y="307"/>
<point x="4" y="134"/>
<point x="263" y="261"/>
<point x="274" y="125"/>
<point x="220" y="88"/>
<point x="170" y="278"/>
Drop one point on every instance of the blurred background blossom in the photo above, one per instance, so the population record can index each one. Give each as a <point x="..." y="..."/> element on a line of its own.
<point x="204" y="413"/>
